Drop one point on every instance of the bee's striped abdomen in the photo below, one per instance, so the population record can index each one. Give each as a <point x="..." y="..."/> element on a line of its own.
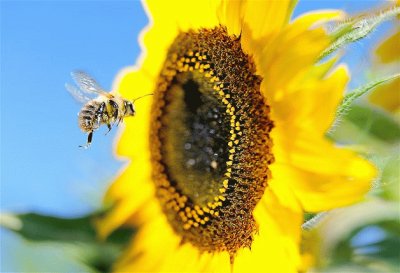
<point x="87" y="116"/>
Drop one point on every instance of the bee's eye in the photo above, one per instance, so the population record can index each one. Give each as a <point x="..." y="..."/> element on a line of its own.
<point x="131" y="108"/>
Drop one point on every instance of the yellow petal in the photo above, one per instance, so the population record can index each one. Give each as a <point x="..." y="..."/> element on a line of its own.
<point x="230" y="14"/>
<point x="126" y="195"/>
<point x="285" y="67"/>
<point x="149" y="247"/>
<point x="284" y="57"/>
<point x="156" y="248"/>
<point x="133" y="141"/>
<point x="265" y="17"/>
<point x="275" y="247"/>
<point x="312" y="105"/>
<point x="315" y="18"/>
<point x="146" y="212"/>
<point x="177" y="13"/>
<point x="321" y="175"/>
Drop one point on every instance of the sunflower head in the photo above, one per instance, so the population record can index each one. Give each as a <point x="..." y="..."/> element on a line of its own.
<point x="231" y="148"/>
<point x="211" y="147"/>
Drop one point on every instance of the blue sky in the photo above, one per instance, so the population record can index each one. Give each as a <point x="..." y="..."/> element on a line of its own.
<point x="42" y="42"/>
<point x="42" y="168"/>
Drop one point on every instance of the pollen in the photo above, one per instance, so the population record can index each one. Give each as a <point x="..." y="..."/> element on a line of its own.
<point x="210" y="143"/>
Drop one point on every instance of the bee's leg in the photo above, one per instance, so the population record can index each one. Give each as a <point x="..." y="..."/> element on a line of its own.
<point x="109" y="128"/>
<point x="114" y="115"/>
<point x="100" y="112"/>
<point x="114" y="105"/>
<point x="98" y="120"/>
<point x="119" y="121"/>
<point x="89" y="141"/>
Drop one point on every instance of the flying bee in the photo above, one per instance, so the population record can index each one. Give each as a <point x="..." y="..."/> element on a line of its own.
<point x="107" y="108"/>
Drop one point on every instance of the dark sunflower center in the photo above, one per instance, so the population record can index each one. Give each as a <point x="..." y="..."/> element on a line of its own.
<point x="210" y="140"/>
<point x="195" y="147"/>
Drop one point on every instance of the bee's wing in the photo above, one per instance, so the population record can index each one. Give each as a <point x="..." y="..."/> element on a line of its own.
<point x="76" y="93"/>
<point x="87" y="84"/>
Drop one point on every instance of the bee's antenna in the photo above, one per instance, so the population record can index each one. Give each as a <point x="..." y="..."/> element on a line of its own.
<point x="143" y="97"/>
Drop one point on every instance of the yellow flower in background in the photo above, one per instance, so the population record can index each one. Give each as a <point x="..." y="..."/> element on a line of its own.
<point x="388" y="50"/>
<point x="230" y="150"/>
<point x="388" y="58"/>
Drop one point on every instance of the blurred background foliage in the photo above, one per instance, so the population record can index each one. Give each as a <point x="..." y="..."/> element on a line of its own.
<point x="75" y="235"/>
<point x="364" y="237"/>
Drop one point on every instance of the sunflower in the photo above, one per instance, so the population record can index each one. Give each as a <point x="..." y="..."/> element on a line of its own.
<point x="230" y="151"/>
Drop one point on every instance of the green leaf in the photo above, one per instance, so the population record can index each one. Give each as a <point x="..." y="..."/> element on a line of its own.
<point x="376" y="122"/>
<point x="79" y="233"/>
<point x="354" y="29"/>
<point x="387" y="184"/>
<point x="368" y="126"/>
<point x="37" y="227"/>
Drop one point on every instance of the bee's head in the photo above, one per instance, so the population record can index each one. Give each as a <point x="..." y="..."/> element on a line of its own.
<point x="129" y="108"/>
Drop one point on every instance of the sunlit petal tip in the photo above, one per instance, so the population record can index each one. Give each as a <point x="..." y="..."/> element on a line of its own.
<point x="265" y="17"/>
<point x="316" y="18"/>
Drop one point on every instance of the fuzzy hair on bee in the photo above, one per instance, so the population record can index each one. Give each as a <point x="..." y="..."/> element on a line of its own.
<point x="105" y="109"/>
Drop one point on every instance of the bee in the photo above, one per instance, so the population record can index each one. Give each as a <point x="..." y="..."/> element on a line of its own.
<point x="107" y="108"/>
